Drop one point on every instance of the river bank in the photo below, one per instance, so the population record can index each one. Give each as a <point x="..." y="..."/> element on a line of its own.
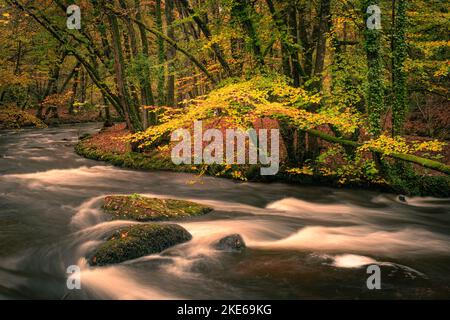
<point x="13" y="118"/>
<point x="108" y="145"/>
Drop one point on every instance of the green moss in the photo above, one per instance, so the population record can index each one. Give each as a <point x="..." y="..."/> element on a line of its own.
<point x="138" y="240"/>
<point x="412" y="184"/>
<point x="136" y="207"/>
<point x="403" y="179"/>
<point x="132" y="160"/>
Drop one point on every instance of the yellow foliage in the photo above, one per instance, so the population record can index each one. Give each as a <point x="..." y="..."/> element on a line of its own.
<point x="305" y="170"/>
<point x="244" y="102"/>
<point x="238" y="176"/>
<point x="389" y="145"/>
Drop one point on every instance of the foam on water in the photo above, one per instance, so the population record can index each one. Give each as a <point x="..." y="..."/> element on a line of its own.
<point x="117" y="283"/>
<point x="402" y="242"/>
<point x="352" y="261"/>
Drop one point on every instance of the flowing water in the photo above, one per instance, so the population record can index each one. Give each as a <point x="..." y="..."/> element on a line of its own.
<point x="303" y="242"/>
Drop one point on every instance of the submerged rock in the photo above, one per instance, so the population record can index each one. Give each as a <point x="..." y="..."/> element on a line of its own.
<point x="84" y="136"/>
<point x="139" y="208"/>
<point x="138" y="240"/>
<point x="231" y="243"/>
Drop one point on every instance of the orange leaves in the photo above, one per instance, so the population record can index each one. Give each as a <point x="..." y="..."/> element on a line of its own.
<point x="57" y="99"/>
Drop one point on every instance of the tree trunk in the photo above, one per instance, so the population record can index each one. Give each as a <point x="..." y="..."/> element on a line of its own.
<point x="293" y="29"/>
<point x="375" y="93"/>
<point x="52" y="87"/>
<point x="426" y="163"/>
<point x="161" y="54"/>
<point x="205" y="30"/>
<point x="145" y="78"/>
<point x="170" y="100"/>
<point x="242" y="11"/>
<point x="74" y="88"/>
<point x="281" y="25"/>
<point x="119" y="72"/>
<point x="19" y="57"/>
<point x="399" y="78"/>
<point x="323" y="29"/>
<point x="108" y="121"/>
<point x="305" y="39"/>
<point x="83" y="85"/>
<point x="72" y="74"/>
<point x="131" y="52"/>
<point x="175" y="45"/>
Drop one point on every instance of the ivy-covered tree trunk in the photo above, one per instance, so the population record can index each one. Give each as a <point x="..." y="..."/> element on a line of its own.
<point x="280" y="23"/>
<point x="375" y="86"/>
<point x="399" y="85"/>
<point x="242" y="12"/>
<point x="285" y="19"/>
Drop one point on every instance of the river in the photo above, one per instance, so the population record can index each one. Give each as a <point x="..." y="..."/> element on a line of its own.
<point x="303" y="242"/>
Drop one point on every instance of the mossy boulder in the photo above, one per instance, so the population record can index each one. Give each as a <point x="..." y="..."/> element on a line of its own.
<point x="138" y="240"/>
<point x="139" y="208"/>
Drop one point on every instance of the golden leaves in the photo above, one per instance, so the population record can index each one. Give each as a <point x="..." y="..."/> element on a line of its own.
<point x="389" y="145"/>
<point x="245" y="101"/>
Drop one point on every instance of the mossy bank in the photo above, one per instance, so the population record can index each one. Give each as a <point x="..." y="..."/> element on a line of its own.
<point x="411" y="184"/>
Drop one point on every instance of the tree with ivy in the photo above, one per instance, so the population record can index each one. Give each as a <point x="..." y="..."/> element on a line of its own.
<point x="375" y="85"/>
<point x="399" y="79"/>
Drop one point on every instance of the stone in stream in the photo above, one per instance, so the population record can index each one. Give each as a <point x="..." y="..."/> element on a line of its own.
<point x="402" y="198"/>
<point x="84" y="136"/>
<point x="231" y="243"/>
<point x="139" y="208"/>
<point x="137" y="241"/>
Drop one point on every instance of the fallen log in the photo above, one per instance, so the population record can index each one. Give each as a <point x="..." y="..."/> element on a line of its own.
<point x="426" y="163"/>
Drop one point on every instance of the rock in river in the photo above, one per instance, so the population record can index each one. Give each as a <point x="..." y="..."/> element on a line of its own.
<point x="231" y="243"/>
<point x="139" y="208"/>
<point x="138" y="240"/>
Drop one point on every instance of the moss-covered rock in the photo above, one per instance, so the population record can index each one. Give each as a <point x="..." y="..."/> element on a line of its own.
<point x="139" y="208"/>
<point x="138" y="240"/>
